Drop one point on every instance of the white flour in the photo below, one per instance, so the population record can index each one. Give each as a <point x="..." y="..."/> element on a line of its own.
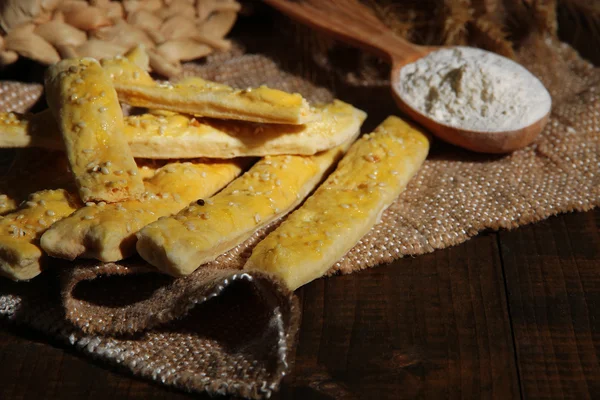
<point x="473" y="89"/>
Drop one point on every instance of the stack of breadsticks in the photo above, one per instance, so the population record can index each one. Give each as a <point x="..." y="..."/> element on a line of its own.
<point x="206" y="191"/>
<point x="173" y="31"/>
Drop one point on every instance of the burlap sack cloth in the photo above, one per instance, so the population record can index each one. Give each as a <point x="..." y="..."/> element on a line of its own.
<point x="224" y="331"/>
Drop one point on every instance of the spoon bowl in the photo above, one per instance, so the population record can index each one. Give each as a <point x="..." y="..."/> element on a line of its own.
<point x="352" y="22"/>
<point x="496" y="142"/>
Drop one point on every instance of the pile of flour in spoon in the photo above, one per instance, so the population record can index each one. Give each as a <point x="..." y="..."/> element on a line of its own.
<point x="472" y="89"/>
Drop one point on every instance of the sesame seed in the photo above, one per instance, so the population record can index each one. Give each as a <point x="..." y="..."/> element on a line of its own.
<point x="132" y="172"/>
<point x="189" y="226"/>
<point x="235" y="192"/>
<point x="90" y="204"/>
<point x="28" y="226"/>
<point x="118" y="172"/>
<point x="394" y="172"/>
<point x="208" y="201"/>
<point x="204" y="216"/>
<point x="20" y="216"/>
<point x="79" y="81"/>
<point x="88" y="151"/>
<point x="107" y="164"/>
<point x="255" y="174"/>
<point x="345" y="206"/>
<point x="102" y="93"/>
<point x="283" y="235"/>
<point x="102" y="204"/>
<point x="31" y="204"/>
<point x="105" y="170"/>
<point x="161" y="130"/>
<point x="177" y="197"/>
<point x="96" y="168"/>
<point x="381" y="184"/>
<point x="42" y="202"/>
<point x="251" y="188"/>
<point x="136" y="75"/>
<point x="256" y="218"/>
<point x="278" y="182"/>
<point x="128" y="227"/>
<point x="203" y="174"/>
<point x="50" y="213"/>
<point x="264" y="177"/>
<point x="231" y="204"/>
<point x="88" y="217"/>
<point x="41" y="222"/>
<point x="102" y="109"/>
<point x="372" y="176"/>
<point x="276" y="210"/>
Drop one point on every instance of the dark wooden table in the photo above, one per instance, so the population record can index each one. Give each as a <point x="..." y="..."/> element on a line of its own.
<point x="507" y="315"/>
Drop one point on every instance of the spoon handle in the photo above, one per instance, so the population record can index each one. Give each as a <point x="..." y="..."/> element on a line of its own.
<point x="352" y="22"/>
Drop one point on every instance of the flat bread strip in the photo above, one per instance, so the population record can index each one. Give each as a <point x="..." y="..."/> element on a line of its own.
<point x="106" y="232"/>
<point x="85" y="105"/>
<point x="273" y="187"/>
<point x="20" y="255"/>
<point x="180" y="136"/>
<point x="373" y="173"/>
<point x="172" y="136"/>
<point x="261" y="104"/>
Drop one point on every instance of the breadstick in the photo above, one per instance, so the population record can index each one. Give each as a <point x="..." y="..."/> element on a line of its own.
<point x="32" y="170"/>
<point x="107" y="231"/>
<point x="123" y="70"/>
<point x="271" y="188"/>
<point x="179" y="136"/>
<point x="257" y="105"/>
<point x="373" y="173"/>
<point x="20" y="255"/>
<point x="83" y="101"/>
<point x="7" y="204"/>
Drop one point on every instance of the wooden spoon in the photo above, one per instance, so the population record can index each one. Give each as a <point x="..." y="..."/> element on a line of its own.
<point x="354" y="23"/>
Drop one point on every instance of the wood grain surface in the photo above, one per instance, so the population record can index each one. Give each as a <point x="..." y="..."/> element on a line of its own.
<point x="507" y="315"/>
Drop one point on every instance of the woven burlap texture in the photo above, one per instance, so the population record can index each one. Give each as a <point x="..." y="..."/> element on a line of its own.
<point x="222" y="331"/>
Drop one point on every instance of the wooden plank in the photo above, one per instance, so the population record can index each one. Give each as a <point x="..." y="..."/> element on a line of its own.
<point x="434" y="326"/>
<point x="553" y="280"/>
<point x="32" y="369"/>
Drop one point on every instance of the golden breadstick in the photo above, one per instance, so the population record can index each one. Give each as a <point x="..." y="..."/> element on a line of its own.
<point x="83" y="101"/>
<point x="373" y="173"/>
<point x="19" y="231"/>
<point x="7" y="203"/>
<point x="32" y="170"/>
<point x="179" y="136"/>
<point x="271" y="188"/>
<point x="257" y="105"/>
<point x="107" y="231"/>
